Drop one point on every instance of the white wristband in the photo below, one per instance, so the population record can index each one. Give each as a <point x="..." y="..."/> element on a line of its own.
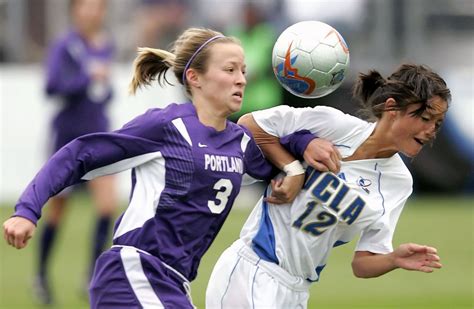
<point x="294" y="168"/>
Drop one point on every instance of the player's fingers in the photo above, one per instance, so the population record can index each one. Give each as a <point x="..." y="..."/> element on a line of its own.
<point x="273" y="200"/>
<point x="430" y="250"/>
<point x="434" y="265"/>
<point x="331" y="164"/>
<point x="319" y="166"/>
<point x="11" y="239"/>
<point x="19" y="241"/>
<point x="416" y="248"/>
<point x="277" y="182"/>
<point x="425" y="269"/>
<point x="432" y="257"/>
<point x="279" y="194"/>
<point x="337" y="162"/>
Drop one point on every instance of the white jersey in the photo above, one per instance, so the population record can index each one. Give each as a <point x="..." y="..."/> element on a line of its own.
<point x="366" y="197"/>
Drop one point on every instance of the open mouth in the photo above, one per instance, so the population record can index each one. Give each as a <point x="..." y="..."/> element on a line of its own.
<point x="420" y="141"/>
<point x="238" y="94"/>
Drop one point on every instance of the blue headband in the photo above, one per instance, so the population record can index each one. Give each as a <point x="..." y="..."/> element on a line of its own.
<point x="195" y="54"/>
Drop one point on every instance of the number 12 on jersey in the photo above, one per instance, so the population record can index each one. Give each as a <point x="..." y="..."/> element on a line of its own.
<point x="328" y="189"/>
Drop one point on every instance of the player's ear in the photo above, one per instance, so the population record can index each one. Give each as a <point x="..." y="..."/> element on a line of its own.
<point x="193" y="78"/>
<point x="390" y="106"/>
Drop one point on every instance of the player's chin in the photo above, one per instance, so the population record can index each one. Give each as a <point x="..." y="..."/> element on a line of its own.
<point x="412" y="151"/>
<point x="235" y="106"/>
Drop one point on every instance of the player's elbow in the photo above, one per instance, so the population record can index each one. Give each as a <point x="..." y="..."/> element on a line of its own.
<point x="356" y="270"/>
<point x="359" y="270"/>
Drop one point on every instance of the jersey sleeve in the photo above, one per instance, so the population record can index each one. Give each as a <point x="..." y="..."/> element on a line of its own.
<point x="323" y="121"/>
<point x="65" y="75"/>
<point x="297" y="142"/>
<point x="88" y="157"/>
<point x="377" y="237"/>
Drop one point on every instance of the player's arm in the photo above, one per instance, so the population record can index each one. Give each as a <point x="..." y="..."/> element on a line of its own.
<point x="276" y="125"/>
<point x="283" y="190"/>
<point x="409" y="256"/>
<point x="83" y="159"/>
<point x="303" y="144"/>
<point x="65" y="75"/>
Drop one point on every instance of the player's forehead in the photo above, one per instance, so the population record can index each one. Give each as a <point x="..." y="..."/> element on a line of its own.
<point x="227" y="53"/>
<point x="437" y="107"/>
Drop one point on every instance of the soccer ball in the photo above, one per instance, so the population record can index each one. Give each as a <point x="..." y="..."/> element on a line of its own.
<point x="310" y="59"/>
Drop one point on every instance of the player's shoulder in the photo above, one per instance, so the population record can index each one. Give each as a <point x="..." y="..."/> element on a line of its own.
<point x="334" y="114"/>
<point x="400" y="174"/>
<point x="165" y="115"/>
<point x="155" y="119"/>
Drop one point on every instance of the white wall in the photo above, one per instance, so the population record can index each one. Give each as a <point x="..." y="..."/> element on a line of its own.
<point x="25" y="114"/>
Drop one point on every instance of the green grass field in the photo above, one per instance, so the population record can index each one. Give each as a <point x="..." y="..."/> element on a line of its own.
<point x="444" y="222"/>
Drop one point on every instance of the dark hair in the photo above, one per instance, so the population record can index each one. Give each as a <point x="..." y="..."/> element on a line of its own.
<point x="424" y="82"/>
<point x="151" y="64"/>
<point x="409" y="84"/>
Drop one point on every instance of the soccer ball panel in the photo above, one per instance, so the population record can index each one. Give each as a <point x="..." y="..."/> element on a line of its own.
<point x="310" y="59"/>
<point x="324" y="58"/>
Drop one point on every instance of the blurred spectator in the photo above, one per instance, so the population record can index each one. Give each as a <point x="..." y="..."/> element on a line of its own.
<point x="78" y="76"/>
<point x="257" y="36"/>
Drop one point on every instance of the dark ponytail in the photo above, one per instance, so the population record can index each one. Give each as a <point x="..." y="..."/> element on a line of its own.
<point x="372" y="91"/>
<point x="367" y="84"/>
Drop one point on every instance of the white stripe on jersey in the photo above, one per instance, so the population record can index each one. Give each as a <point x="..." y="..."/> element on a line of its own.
<point x="179" y="124"/>
<point x="121" y="166"/>
<point x="150" y="182"/>
<point x="244" y="142"/>
<point x="138" y="281"/>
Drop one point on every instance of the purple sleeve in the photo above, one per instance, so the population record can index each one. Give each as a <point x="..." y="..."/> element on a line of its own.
<point x="65" y="75"/>
<point x="297" y="142"/>
<point x="87" y="153"/>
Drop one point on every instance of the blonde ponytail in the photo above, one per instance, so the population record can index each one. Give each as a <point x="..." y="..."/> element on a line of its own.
<point x="149" y="65"/>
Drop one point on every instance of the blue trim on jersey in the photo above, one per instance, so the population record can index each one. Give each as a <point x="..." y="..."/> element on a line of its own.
<point x="344" y="146"/>
<point x="318" y="270"/>
<point x="263" y="242"/>
<point x="380" y="192"/>
<point x="339" y="243"/>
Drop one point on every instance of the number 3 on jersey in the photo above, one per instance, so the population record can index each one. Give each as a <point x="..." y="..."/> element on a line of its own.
<point x="224" y="189"/>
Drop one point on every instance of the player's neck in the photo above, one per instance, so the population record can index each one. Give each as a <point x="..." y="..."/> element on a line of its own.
<point x="210" y="118"/>
<point x="378" y="145"/>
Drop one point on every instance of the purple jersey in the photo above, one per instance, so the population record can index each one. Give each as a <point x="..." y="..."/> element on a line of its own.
<point x="83" y="99"/>
<point x="185" y="178"/>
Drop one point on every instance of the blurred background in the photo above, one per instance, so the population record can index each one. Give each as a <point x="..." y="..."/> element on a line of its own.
<point x="380" y="34"/>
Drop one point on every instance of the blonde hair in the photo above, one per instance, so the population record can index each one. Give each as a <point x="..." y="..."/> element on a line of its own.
<point x="151" y="64"/>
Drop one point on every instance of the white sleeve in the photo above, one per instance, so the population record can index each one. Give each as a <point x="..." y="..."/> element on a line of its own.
<point x="377" y="237"/>
<point x="395" y="188"/>
<point x="323" y="121"/>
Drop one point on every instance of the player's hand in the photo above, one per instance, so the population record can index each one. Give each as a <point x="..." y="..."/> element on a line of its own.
<point x="323" y="156"/>
<point x="17" y="231"/>
<point x="416" y="257"/>
<point x="285" y="190"/>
